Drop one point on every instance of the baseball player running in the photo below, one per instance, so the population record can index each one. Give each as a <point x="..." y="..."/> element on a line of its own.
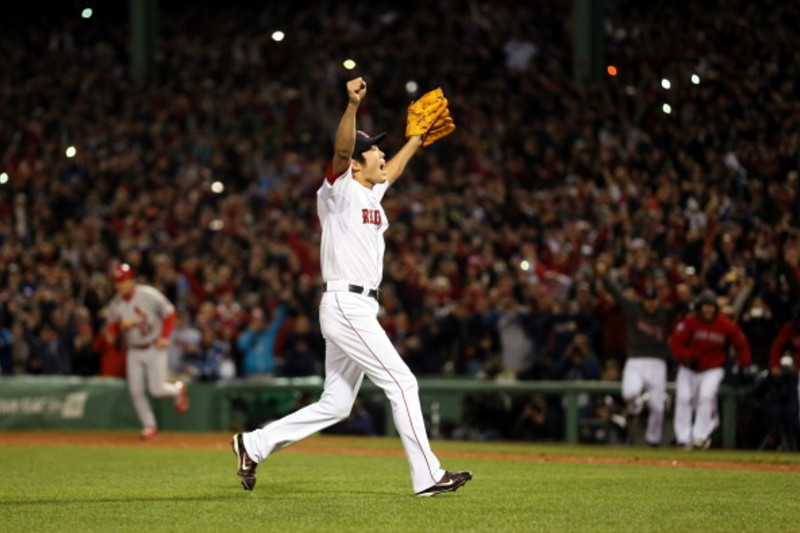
<point x="700" y="345"/>
<point x="353" y="223"/>
<point x="145" y="318"/>
<point x="647" y="330"/>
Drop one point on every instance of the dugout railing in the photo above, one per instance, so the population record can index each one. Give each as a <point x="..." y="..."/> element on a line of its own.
<point x="63" y="402"/>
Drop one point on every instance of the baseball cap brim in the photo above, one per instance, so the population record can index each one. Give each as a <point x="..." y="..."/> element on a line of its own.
<point x="364" y="142"/>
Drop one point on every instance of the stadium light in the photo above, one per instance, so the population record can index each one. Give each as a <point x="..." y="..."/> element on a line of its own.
<point x="87" y="13"/>
<point x="3" y="178"/>
<point x="665" y="83"/>
<point x="695" y="79"/>
<point x="411" y="86"/>
<point x="349" y="64"/>
<point x="666" y="108"/>
<point x="217" y="187"/>
<point x="70" y="152"/>
<point x="278" y="36"/>
<point x="612" y="70"/>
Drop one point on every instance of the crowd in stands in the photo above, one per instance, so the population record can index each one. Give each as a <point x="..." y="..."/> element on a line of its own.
<point x="203" y="178"/>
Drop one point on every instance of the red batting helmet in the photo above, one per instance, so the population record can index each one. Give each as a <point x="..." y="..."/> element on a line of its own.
<point x="122" y="272"/>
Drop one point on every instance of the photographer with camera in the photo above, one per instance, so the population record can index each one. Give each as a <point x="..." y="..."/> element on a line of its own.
<point x="782" y="396"/>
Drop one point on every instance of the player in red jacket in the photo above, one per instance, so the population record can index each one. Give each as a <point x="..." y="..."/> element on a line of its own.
<point x="700" y="345"/>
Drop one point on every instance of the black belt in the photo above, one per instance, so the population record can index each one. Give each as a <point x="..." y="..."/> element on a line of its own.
<point x="358" y="289"/>
<point x="141" y="346"/>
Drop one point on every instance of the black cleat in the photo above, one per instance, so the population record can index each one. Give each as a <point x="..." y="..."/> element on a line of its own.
<point x="450" y="482"/>
<point x="247" y="467"/>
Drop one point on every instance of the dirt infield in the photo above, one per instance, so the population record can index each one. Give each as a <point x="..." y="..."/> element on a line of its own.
<point x="355" y="446"/>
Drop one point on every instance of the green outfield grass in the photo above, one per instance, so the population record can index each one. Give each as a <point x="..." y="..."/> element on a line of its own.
<point x="146" y="489"/>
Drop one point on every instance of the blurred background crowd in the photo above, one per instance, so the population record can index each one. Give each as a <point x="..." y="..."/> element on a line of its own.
<point x="203" y="178"/>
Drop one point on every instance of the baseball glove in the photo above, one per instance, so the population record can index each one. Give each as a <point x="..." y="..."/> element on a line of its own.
<point x="423" y="113"/>
<point x="442" y="127"/>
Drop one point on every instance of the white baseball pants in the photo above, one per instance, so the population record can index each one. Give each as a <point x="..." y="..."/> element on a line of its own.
<point x="696" y="394"/>
<point x="646" y="374"/>
<point x="355" y="345"/>
<point x="147" y="368"/>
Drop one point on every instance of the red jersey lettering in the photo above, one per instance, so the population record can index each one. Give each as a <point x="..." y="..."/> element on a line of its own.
<point x="371" y="216"/>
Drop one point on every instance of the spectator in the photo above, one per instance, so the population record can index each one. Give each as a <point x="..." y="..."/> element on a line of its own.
<point x="514" y="332"/>
<point x="759" y="327"/>
<point x="579" y="361"/>
<point x="207" y="363"/>
<point x="564" y="323"/>
<point x="184" y="344"/>
<point x="303" y="349"/>
<point x="49" y="350"/>
<point x="257" y="343"/>
<point x="111" y="355"/>
<point x="537" y="421"/>
<point x="85" y="361"/>
<point x="6" y="352"/>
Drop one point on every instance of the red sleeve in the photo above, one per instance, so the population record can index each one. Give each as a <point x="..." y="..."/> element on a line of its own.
<point x="168" y="325"/>
<point x="741" y="344"/>
<point x="113" y="328"/>
<point x="776" y="350"/>
<point x="330" y="176"/>
<point x="679" y="341"/>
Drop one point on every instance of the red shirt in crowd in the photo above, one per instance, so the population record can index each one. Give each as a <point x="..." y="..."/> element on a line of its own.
<point x="788" y="335"/>
<point x="112" y="357"/>
<point x="707" y="342"/>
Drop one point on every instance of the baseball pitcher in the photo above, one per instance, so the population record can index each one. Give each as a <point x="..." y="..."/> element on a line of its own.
<point x="353" y="223"/>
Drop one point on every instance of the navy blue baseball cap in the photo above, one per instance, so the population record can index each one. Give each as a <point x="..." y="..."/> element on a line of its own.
<point x="364" y="142"/>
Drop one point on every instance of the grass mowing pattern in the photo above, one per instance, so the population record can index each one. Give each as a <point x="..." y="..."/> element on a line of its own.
<point x="73" y="488"/>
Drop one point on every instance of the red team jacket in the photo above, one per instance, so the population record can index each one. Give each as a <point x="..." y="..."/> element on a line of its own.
<point x="788" y="335"/>
<point x="707" y="342"/>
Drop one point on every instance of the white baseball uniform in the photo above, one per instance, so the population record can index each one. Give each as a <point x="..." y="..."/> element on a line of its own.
<point x="702" y="347"/>
<point x="140" y="319"/>
<point x="353" y="223"/>
<point x="648" y="374"/>
<point x="696" y="392"/>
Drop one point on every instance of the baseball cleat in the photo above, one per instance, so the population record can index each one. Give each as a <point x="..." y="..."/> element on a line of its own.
<point x="182" y="399"/>
<point x="247" y="467"/>
<point x="149" y="433"/>
<point x="450" y="482"/>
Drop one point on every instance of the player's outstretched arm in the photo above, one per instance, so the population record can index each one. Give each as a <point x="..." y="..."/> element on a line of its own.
<point x="345" y="140"/>
<point x="397" y="164"/>
<point x="420" y="120"/>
